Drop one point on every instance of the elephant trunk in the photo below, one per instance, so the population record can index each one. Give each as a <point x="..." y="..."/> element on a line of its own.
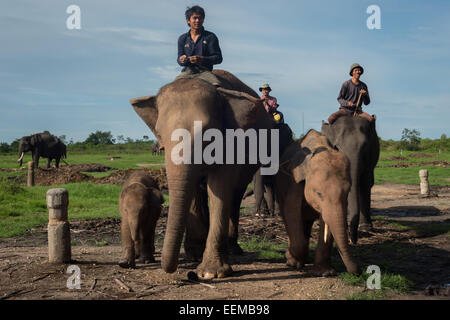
<point x="181" y="180"/>
<point x="335" y="217"/>
<point x="353" y="204"/>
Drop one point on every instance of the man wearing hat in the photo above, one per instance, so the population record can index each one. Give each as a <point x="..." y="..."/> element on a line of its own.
<point x="349" y="94"/>
<point x="270" y="103"/>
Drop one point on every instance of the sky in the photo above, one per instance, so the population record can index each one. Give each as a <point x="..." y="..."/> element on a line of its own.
<point x="74" y="82"/>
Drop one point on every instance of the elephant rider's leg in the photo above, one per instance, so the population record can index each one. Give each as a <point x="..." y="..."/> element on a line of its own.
<point x="341" y="112"/>
<point x="201" y="73"/>
<point x="210" y="77"/>
<point x="366" y="116"/>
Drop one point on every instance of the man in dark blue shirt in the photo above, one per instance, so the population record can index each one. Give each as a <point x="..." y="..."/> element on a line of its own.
<point x="198" y="49"/>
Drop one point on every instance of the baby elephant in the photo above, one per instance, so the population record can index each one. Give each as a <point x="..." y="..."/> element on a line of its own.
<point x="140" y="206"/>
<point x="313" y="183"/>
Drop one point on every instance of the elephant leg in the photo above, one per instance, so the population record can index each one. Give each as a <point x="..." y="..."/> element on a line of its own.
<point x="291" y="211"/>
<point x="269" y="196"/>
<point x="128" y="246"/>
<point x="233" y="244"/>
<point x="215" y="258"/>
<point x="197" y="225"/>
<point x="36" y="160"/>
<point x="57" y="162"/>
<point x="365" y="222"/>
<point x="258" y="190"/>
<point x="48" y="162"/>
<point x="147" y="242"/>
<point x="322" y="259"/>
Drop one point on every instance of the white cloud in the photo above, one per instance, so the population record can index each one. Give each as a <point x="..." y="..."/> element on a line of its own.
<point x="141" y="34"/>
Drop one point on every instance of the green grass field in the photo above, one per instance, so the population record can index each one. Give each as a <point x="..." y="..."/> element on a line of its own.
<point x="22" y="208"/>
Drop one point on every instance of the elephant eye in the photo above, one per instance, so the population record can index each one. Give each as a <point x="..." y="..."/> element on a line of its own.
<point x="319" y="195"/>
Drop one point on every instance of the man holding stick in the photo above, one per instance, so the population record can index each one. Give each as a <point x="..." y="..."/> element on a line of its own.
<point x="353" y="94"/>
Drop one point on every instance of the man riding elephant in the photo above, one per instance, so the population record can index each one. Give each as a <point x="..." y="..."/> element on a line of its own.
<point x="198" y="49"/>
<point x="353" y="94"/>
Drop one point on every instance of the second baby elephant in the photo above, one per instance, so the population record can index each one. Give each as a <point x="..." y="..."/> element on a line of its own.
<point x="313" y="183"/>
<point x="140" y="206"/>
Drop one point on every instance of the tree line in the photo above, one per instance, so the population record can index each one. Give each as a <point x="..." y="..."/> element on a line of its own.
<point x="104" y="140"/>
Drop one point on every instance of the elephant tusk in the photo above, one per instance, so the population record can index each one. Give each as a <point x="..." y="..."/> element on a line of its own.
<point x="21" y="157"/>
<point x="325" y="233"/>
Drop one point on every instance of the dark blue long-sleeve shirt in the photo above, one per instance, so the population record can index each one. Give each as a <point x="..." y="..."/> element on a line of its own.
<point x="207" y="46"/>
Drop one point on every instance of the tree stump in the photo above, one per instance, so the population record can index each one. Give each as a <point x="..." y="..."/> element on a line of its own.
<point x="59" y="250"/>
<point x="424" y="186"/>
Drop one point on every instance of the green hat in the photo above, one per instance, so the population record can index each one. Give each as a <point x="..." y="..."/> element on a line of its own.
<point x="356" y="65"/>
<point x="265" y="86"/>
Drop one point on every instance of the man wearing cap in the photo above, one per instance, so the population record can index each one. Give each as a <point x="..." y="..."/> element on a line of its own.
<point x="349" y="94"/>
<point x="270" y="103"/>
<point x="198" y="49"/>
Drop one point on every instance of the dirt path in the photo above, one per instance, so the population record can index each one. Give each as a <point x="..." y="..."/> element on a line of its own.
<point x="410" y="238"/>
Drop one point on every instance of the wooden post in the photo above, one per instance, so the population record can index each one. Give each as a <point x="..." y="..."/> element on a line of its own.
<point x="424" y="187"/>
<point x="59" y="250"/>
<point x="30" y="178"/>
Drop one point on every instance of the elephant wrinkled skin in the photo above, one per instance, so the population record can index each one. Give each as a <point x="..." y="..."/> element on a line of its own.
<point x="177" y="105"/>
<point x="313" y="183"/>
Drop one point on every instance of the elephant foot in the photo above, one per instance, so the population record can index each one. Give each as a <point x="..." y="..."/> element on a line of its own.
<point x="323" y="271"/>
<point x="127" y="263"/>
<point x="234" y="248"/>
<point x="214" y="269"/>
<point x="293" y="262"/>
<point x="147" y="259"/>
<point x="194" y="252"/>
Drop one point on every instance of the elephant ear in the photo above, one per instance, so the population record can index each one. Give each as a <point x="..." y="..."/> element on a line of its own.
<point x="147" y="110"/>
<point x="299" y="164"/>
<point x="328" y="131"/>
<point x="242" y="110"/>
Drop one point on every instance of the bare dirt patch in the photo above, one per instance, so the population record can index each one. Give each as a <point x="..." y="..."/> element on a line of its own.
<point x="410" y="238"/>
<point x="76" y="173"/>
<point x="437" y="163"/>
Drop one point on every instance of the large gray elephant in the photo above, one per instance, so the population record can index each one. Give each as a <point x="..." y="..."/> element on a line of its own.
<point x="177" y="105"/>
<point x="43" y="145"/>
<point x="357" y="138"/>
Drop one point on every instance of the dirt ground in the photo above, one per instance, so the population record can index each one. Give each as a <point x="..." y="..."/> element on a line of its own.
<point x="410" y="238"/>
